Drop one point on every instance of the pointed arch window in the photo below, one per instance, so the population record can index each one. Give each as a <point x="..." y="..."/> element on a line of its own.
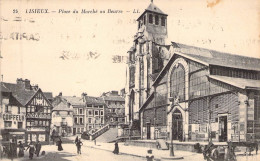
<point x="177" y="82"/>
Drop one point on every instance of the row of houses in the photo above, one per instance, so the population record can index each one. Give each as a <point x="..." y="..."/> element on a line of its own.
<point x="28" y="114"/>
<point x="74" y="115"/>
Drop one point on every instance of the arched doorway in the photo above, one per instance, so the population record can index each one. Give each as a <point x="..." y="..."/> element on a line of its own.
<point x="177" y="125"/>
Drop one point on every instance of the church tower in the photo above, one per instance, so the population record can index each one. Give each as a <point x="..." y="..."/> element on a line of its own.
<point x="144" y="61"/>
<point x="153" y="24"/>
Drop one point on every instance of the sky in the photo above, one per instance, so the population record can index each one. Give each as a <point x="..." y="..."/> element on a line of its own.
<point x="72" y="52"/>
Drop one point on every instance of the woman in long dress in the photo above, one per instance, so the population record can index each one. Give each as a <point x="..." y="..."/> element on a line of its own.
<point x="21" y="149"/>
<point x="116" y="150"/>
<point x="59" y="145"/>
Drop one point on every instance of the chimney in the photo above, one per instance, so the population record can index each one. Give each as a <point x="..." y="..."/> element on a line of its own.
<point x="114" y="92"/>
<point x="83" y="95"/>
<point x="19" y="81"/>
<point x="27" y="84"/>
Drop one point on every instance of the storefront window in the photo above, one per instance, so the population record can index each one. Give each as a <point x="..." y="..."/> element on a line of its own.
<point x="8" y="123"/>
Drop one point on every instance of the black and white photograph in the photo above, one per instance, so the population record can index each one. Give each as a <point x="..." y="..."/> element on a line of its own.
<point x="129" y="80"/>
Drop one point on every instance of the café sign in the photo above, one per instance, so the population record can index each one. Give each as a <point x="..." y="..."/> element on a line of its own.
<point x="35" y="115"/>
<point x="13" y="117"/>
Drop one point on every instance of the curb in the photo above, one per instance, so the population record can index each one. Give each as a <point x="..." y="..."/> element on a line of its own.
<point x="121" y="152"/>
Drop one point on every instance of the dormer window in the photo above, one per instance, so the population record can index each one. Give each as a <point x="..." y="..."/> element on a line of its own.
<point x="156" y="20"/>
<point x="163" y="21"/>
<point x="150" y="18"/>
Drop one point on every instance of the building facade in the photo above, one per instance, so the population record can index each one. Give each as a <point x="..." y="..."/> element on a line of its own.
<point x="95" y="113"/>
<point x="62" y="119"/>
<point x="189" y="93"/>
<point x="88" y="112"/>
<point x="115" y="111"/>
<point x="78" y="105"/>
<point x="27" y="112"/>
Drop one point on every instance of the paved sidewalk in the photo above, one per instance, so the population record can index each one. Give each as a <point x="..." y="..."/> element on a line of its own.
<point x="142" y="151"/>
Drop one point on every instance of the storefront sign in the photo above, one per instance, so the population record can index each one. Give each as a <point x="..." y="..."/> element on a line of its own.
<point x="36" y="129"/>
<point x="13" y="117"/>
<point x="44" y="116"/>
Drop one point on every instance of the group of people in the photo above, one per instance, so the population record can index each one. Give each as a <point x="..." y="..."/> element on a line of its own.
<point x="33" y="149"/>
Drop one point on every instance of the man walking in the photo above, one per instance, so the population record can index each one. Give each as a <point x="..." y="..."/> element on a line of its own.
<point x="38" y="147"/>
<point x="79" y="144"/>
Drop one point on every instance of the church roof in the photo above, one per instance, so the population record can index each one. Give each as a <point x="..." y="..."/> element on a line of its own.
<point x="152" y="8"/>
<point x="212" y="57"/>
<point x="238" y="82"/>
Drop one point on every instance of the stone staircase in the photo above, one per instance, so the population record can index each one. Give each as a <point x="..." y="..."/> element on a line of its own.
<point x="109" y="136"/>
<point x="101" y="131"/>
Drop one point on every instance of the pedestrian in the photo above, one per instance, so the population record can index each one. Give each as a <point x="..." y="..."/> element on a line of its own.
<point x="149" y="155"/>
<point x="1" y="151"/>
<point x="59" y="144"/>
<point x="21" y="149"/>
<point x="31" y="150"/>
<point x="38" y="147"/>
<point x="12" y="150"/>
<point x="79" y="144"/>
<point x="116" y="150"/>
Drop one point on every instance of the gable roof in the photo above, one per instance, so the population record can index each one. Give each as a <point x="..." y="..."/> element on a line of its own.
<point x="94" y="100"/>
<point x="74" y="101"/>
<point x="113" y="98"/>
<point x="48" y="95"/>
<point x="22" y="95"/>
<point x="4" y="88"/>
<point x="62" y="106"/>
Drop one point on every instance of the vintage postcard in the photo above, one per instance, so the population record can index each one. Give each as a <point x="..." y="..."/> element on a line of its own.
<point x="129" y="80"/>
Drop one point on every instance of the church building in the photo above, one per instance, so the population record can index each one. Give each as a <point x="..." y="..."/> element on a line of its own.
<point x="182" y="92"/>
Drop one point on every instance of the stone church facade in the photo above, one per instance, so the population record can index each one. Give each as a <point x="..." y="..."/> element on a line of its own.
<point x="188" y="93"/>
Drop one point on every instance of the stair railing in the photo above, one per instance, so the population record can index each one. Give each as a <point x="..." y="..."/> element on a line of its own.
<point x="99" y="132"/>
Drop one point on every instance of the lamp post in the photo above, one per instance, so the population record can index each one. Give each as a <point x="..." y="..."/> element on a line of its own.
<point x="171" y="148"/>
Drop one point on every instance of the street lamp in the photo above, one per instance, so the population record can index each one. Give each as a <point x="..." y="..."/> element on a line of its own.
<point x="171" y="147"/>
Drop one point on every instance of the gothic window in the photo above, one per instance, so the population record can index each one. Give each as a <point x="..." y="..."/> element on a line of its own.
<point x="150" y="18"/>
<point x="177" y="83"/>
<point x="156" y="20"/>
<point x="163" y="21"/>
<point x="132" y="76"/>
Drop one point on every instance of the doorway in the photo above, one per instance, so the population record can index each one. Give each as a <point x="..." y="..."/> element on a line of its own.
<point x="74" y="131"/>
<point x="177" y="126"/>
<point x="148" y="126"/>
<point x="223" y="128"/>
